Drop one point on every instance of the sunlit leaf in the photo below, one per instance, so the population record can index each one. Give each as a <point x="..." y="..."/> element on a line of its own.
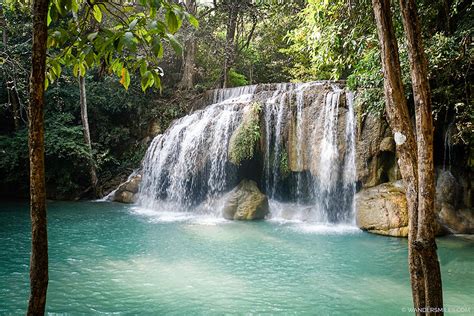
<point x="97" y="13"/>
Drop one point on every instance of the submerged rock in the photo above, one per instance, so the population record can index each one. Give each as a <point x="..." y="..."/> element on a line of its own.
<point x="383" y="210"/>
<point x="245" y="202"/>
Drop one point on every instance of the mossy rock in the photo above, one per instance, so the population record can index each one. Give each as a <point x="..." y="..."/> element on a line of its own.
<point x="245" y="138"/>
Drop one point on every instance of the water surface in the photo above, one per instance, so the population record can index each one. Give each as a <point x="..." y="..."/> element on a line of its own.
<point x="113" y="259"/>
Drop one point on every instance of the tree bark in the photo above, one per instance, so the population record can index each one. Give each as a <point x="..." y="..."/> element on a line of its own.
<point x="187" y="80"/>
<point x="425" y="237"/>
<point x="39" y="237"/>
<point x="415" y="158"/>
<point x="399" y="120"/>
<point x="86" y="132"/>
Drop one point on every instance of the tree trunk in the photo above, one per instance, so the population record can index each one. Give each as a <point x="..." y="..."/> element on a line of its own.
<point x="187" y="81"/>
<point x="230" y="41"/>
<point x="415" y="158"/>
<point x="39" y="237"/>
<point x="86" y="131"/>
<point x="425" y="237"/>
<point x="399" y="120"/>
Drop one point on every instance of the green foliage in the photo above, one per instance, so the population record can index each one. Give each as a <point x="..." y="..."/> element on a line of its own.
<point x="65" y="155"/>
<point x="120" y="37"/>
<point x="236" y="79"/>
<point x="329" y="40"/>
<point x="246" y="136"/>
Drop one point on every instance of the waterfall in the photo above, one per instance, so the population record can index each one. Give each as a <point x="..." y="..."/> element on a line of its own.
<point x="304" y="161"/>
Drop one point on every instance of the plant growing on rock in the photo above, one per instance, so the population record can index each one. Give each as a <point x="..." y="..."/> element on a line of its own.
<point x="245" y="137"/>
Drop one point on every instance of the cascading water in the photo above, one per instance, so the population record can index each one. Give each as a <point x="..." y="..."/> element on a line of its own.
<point x="304" y="161"/>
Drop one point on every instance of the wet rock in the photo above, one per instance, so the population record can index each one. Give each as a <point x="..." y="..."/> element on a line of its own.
<point x="245" y="202"/>
<point x="456" y="221"/>
<point x="126" y="192"/>
<point x="133" y="184"/>
<point x="124" y="197"/>
<point x="383" y="210"/>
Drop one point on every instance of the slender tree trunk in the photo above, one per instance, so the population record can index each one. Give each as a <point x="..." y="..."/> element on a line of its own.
<point x="187" y="81"/>
<point x="39" y="237"/>
<point x="86" y="131"/>
<point x="230" y="41"/>
<point x="425" y="237"/>
<point x="399" y="120"/>
<point x="416" y="158"/>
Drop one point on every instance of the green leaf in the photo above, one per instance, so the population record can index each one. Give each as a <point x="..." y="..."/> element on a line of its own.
<point x="143" y="67"/>
<point x="74" y="6"/>
<point x="178" y="48"/>
<point x="193" y="21"/>
<point x="132" y="24"/>
<point x="157" y="47"/>
<point x="92" y="36"/>
<point x="48" y="19"/>
<point x="129" y="41"/>
<point x="125" y="78"/>
<point x="144" y="82"/>
<point x="75" y="70"/>
<point x="60" y="7"/>
<point x="172" y="21"/>
<point x="82" y="69"/>
<point x="97" y="13"/>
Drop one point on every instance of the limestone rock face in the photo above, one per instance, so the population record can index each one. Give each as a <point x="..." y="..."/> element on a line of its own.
<point x="245" y="202"/>
<point x="383" y="210"/>
<point x="375" y="152"/>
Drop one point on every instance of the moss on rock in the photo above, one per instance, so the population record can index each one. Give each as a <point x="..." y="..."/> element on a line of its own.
<point x="246" y="136"/>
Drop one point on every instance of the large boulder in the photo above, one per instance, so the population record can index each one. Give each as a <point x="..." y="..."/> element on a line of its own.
<point x="245" y="202"/>
<point x="383" y="210"/>
<point x="127" y="191"/>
